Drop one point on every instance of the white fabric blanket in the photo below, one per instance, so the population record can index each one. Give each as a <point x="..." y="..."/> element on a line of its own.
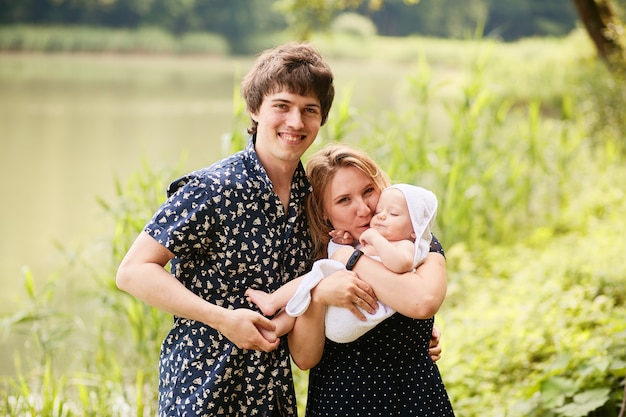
<point x="341" y="325"/>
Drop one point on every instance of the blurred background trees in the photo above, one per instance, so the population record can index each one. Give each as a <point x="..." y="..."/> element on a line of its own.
<point x="240" y="20"/>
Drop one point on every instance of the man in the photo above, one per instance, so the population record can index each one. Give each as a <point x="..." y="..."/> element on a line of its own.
<point x="236" y="224"/>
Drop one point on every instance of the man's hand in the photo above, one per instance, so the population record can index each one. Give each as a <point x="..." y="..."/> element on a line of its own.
<point x="242" y="326"/>
<point x="435" y="348"/>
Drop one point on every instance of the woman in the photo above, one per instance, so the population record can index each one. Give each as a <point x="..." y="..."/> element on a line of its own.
<point x="388" y="370"/>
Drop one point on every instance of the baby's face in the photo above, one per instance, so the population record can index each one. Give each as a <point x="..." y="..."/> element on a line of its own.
<point x="391" y="218"/>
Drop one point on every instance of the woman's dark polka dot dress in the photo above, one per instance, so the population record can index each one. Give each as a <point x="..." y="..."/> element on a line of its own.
<point x="386" y="372"/>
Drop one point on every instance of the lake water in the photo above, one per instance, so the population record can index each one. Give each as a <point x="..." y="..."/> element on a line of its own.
<point x="69" y="126"/>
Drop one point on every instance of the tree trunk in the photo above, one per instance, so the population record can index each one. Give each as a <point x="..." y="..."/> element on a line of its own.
<point x="605" y="29"/>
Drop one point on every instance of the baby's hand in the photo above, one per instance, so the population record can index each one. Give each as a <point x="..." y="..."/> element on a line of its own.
<point x="341" y="237"/>
<point x="368" y="236"/>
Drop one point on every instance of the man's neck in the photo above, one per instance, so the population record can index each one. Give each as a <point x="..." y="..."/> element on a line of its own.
<point x="282" y="178"/>
<point x="280" y="172"/>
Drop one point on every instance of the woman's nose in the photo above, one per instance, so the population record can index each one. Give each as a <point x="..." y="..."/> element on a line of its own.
<point x="363" y="209"/>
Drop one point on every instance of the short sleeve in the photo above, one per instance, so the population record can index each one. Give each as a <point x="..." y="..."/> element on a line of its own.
<point x="182" y="223"/>
<point x="435" y="246"/>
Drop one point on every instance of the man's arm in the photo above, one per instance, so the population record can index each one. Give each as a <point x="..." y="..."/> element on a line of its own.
<point x="142" y="274"/>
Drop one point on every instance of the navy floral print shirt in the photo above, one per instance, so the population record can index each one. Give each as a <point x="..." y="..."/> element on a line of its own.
<point x="229" y="231"/>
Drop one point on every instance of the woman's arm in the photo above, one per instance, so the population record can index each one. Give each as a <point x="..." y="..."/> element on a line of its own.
<point x="341" y="289"/>
<point x="417" y="294"/>
<point x="307" y="337"/>
<point x="142" y="274"/>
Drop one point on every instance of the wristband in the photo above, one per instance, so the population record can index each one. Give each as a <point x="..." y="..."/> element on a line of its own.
<point x="353" y="259"/>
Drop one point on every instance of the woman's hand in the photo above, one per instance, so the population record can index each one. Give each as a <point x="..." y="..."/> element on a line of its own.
<point x="340" y="289"/>
<point x="345" y="289"/>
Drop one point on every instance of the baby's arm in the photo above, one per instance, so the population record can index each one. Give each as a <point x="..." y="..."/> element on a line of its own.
<point x="270" y="303"/>
<point x="396" y="256"/>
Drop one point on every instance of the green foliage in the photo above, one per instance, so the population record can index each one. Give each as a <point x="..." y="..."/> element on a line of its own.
<point x="241" y="22"/>
<point x="238" y="139"/>
<point x="604" y="98"/>
<point x="110" y="370"/>
<point x="353" y="24"/>
<point x="41" y="319"/>
<point x="305" y="16"/>
<point x="498" y="161"/>
<point x="47" y="401"/>
<point x="545" y="329"/>
<point x="99" y="39"/>
<point x="532" y="218"/>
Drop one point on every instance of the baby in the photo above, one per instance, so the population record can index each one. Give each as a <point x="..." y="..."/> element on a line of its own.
<point x="399" y="236"/>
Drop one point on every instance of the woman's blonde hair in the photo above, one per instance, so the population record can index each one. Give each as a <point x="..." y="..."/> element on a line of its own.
<point x="321" y="169"/>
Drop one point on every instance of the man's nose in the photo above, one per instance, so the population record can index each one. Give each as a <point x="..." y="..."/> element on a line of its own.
<point x="294" y="119"/>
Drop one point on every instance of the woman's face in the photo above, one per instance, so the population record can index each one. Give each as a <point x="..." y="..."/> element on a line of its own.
<point x="351" y="199"/>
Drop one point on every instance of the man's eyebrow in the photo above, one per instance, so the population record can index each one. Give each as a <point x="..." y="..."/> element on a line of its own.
<point x="285" y="100"/>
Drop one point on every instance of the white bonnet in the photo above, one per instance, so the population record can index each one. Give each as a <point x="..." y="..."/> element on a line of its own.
<point x="422" y="204"/>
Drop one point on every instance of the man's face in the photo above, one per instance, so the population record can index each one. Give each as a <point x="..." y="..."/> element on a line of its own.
<point x="287" y="126"/>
